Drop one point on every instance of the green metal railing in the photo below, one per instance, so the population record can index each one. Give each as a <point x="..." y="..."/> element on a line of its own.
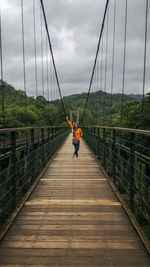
<point x="24" y="152"/>
<point x="125" y="155"/>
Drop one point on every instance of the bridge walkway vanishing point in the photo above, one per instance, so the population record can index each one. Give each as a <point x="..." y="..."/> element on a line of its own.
<point x="73" y="218"/>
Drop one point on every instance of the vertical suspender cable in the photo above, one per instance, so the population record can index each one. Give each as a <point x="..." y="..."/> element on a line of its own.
<point x="97" y="86"/>
<point x="106" y="60"/>
<point x="113" y="58"/>
<point x="53" y="85"/>
<point x="53" y="60"/>
<point x="99" y="41"/>
<point x="94" y="90"/>
<point x="2" y="84"/>
<point x="124" y="58"/>
<point x="47" y="69"/>
<point x="145" y="54"/>
<point x="42" y="51"/>
<point x="93" y="101"/>
<point x="55" y="88"/>
<point x="49" y="75"/>
<point x="35" y="49"/>
<point x="23" y="50"/>
<point x="51" y="67"/>
<point x="101" y="77"/>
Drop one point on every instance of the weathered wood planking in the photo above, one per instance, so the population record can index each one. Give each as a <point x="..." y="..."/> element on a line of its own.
<point x="73" y="218"/>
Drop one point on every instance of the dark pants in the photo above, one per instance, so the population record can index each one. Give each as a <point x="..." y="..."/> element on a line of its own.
<point x="76" y="147"/>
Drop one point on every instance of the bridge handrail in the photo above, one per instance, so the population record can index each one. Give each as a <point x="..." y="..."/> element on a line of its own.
<point x="21" y="163"/>
<point x="7" y="130"/>
<point x="126" y="159"/>
<point x="129" y="130"/>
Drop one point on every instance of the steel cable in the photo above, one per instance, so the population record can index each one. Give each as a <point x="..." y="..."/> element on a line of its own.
<point x="97" y="51"/>
<point x="101" y="77"/>
<point x="113" y="59"/>
<point x="106" y="61"/>
<point x="53" y="60"/>
<point x="35" y="47"/>
<point x="42" y="62"/>
<point x="23" y="50"/>
<point x="145" y="54"/>
<point x="124" y="60"/>
<point x="51" y="78"/>
<point x="1" y="62"/>
<point x="47" y="72"/>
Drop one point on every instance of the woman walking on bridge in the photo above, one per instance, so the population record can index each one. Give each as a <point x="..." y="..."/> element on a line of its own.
<point x="77" y="134"/>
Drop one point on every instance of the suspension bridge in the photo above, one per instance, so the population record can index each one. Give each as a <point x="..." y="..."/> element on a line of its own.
<point x="57" y="211"/>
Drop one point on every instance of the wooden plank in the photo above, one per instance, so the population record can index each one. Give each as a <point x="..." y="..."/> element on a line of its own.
<point x="72" y="218"/>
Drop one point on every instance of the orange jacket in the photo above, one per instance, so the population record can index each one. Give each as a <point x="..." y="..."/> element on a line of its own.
<point x="79" y="133"/>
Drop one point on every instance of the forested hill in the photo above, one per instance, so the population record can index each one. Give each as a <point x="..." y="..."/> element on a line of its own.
<point x="102" y="109"/>
<point x="99" y="108"/>
<point x="38" y="111"/>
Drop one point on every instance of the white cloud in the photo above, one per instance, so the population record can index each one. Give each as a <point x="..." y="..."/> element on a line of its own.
<point x="74" y="27"/>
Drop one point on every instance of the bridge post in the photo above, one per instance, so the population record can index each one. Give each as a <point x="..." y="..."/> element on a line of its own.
<point x="90" y="130"/>
<point x="98" y="148"/>
<point x="13" y="170"/>
<point x="54" y="134"/>
<point x="48" y="138"/>
<point x="53" y="139"/>
<point x="57" y="131"/>
<point x="91" y="137"/>
<point x="32" y="148"/>
<point x="104" y="148"/>
<point x="52" y="142"/>
<point x="113" y="157"/>
<point x="147" y="182"/>
<point x="132" y="140"/>
<point x="77" y="116"/>
<point x="42" y="137"/>
<point x="94" y="140"/>
<point x="71" y="116"/>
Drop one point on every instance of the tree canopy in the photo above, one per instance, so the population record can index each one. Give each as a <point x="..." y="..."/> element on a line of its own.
<point x="103" y="109"/>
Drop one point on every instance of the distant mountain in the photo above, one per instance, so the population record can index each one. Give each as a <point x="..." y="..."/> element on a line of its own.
<point x="21" y="110"/>
<point x="135" y="96"/>
<point x="102" y="109"/>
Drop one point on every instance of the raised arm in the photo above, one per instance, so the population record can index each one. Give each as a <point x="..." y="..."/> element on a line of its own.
<point x="69" y="123"/>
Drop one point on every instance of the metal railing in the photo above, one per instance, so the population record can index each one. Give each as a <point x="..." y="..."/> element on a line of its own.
<point x="125" y="155"/>
<point x="24" y="152"/>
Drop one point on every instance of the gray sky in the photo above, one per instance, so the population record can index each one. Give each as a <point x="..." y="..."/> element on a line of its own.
<point x="74" y="27"/>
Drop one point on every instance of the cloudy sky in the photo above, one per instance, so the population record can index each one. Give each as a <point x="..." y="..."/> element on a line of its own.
<point x="74" y="27"/>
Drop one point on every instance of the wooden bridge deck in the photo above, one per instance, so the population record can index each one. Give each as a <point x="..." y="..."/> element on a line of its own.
<point x="72" y="218"/>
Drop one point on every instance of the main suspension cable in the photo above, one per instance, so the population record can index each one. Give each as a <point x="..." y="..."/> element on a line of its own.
<point x="50" y="46"/>
<point x="101" y="32"/>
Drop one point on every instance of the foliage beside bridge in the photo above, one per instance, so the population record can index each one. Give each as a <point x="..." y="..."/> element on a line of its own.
<point x="103" y="109"/>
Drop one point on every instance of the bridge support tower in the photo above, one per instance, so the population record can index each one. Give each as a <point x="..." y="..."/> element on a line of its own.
<point x="77" y="115"/>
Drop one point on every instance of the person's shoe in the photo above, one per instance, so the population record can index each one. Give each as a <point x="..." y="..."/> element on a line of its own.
<point x="73" y="156"/>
